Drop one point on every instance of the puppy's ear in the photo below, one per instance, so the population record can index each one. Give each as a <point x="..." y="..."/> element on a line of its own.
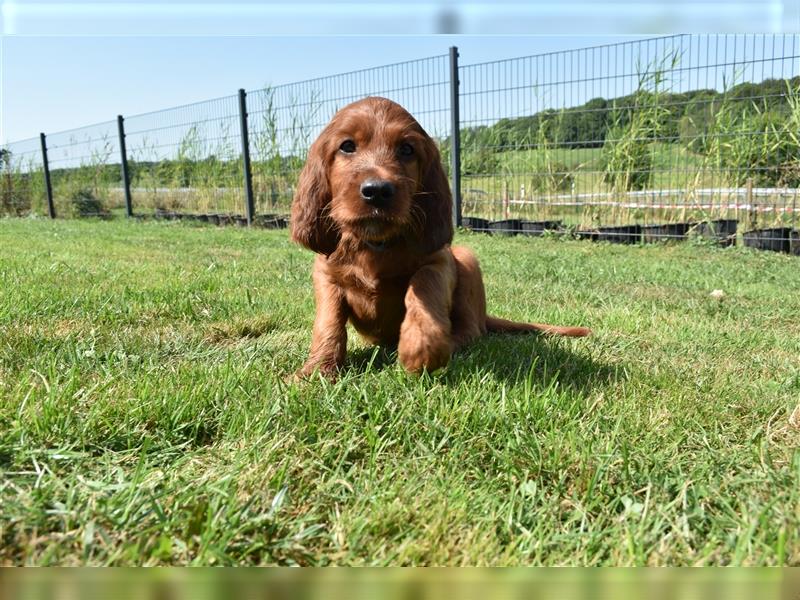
<point x="311" y="225"/>
<point x="436" y="201"/>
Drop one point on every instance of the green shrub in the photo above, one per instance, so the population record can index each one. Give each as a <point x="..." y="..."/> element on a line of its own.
<point x="83" y="203"/>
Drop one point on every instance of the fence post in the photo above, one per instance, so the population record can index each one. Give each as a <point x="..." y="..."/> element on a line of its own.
<point x="248" y="175"/>
<point x="126" y="178"/>
<point x="455" y="138"/>
<point x="51" y="209"/>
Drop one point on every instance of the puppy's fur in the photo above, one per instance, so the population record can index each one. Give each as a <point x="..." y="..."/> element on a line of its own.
<point x="374" y="203"/>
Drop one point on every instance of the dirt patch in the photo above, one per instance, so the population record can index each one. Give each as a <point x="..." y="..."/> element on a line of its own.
<point x="222" y="332"/>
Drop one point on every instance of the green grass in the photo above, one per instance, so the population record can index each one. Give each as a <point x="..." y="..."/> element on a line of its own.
<point x="144" y="417"/>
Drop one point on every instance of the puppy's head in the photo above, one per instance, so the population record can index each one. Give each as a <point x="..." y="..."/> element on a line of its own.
<point x="373" y="174"/>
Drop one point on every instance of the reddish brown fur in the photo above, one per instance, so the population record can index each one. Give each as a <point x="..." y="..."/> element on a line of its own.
<point x="389" y="271"/>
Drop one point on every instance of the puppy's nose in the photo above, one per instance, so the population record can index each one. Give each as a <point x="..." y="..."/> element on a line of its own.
<point x="376" y="192"/>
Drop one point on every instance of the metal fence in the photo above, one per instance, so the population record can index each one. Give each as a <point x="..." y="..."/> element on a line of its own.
<point x="84" y="169"/>
<point x="648" y="139"/>
<point x="187" y="158"/>
<point x="284" y="120"/>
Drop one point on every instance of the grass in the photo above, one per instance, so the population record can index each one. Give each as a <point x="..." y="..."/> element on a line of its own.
<point x="145" y="418"/>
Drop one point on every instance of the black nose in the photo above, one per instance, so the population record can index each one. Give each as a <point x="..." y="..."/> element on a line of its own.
<point x="376" y="192"/>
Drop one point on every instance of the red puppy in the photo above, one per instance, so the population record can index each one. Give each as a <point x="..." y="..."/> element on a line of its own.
<point x="374" y="203"/>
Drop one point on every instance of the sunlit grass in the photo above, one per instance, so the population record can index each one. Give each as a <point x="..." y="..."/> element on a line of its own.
<point x="145" y="417"/>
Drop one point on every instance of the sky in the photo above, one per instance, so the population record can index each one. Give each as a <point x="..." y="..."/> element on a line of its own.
<point x="55" y="83"/>
<point x="68" y="64"/>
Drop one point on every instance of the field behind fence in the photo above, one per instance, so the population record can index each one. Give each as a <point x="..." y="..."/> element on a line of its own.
<point x="650" y="138"/>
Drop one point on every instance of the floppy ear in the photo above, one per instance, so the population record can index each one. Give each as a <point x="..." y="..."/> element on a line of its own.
<point x="437" y="202"/>
<point x="311" y="225"/>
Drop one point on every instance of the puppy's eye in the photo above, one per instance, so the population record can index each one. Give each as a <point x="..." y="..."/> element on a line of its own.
<point x="348" y="146"/>
<point x="406" y="150"/>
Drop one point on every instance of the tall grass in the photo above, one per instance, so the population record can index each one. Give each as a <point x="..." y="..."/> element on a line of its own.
<point x="752" y="141"/>
<point x="90" y="187"/>
<point x="628" y="147"/>
<point x="746" y="145"/>
<point x="21" y="185"/>
<point x="280" y="149"/>
<point x="205" y="174"/>
<point x="706" y="165"/>
<point x="528" y="170"/>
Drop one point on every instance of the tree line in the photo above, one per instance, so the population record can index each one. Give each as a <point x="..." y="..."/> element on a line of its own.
<point x="683" y="116"/>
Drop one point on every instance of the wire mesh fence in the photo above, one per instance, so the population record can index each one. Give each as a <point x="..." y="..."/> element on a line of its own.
<point x="652" y="138"/>
<point x="642" y="140"/>
<point x="284" y="120"/>
<point x="84" y="170"/>
<point x="187" y="159"/>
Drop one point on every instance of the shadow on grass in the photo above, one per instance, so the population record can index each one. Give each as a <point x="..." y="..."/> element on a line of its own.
<point x="508" y="357"/>
<point x="370" y="358"/>
<point x="512" y="358"/>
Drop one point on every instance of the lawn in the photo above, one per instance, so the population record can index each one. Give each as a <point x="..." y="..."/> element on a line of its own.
<point x="145" y="418"/>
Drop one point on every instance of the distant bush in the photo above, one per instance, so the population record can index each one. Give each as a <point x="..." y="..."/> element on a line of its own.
<point x="790" y="174"/>
<point x="627" y="162"/>
<point x="83" y="203"/>
<point x="480" y="147"/>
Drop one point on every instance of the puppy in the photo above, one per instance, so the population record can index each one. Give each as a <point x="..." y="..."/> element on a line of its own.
<point x="374" y="203"/>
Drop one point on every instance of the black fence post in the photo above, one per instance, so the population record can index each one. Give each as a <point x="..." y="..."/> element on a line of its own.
<point x="126" y="178"/>
<point x="455" y="138"/>
<point x="51" y="208"/>
<point x="248" y="175"/>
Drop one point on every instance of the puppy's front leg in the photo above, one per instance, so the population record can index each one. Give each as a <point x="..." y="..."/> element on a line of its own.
<point x="425" y="340"/>
<point x="329" y="339"/>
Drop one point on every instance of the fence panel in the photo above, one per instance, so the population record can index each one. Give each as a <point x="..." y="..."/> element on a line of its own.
<point x="22" y="189"/>
<point x="187" y="159"/>
<point x="661" y="132"/>
<point x="84" y="170"/>
<point x="285" y="119"/>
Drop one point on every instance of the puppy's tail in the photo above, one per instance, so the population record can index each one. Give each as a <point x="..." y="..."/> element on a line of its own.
<point x="496" y="325"/>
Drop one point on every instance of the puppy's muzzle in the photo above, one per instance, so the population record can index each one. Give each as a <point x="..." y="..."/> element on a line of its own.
<point x="377" y="193"/>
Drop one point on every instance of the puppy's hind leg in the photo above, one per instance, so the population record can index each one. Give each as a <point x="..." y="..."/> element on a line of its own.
<point x="468" y="315"/>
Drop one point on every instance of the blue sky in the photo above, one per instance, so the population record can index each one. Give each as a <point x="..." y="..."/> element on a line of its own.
<point x="56" y="83"/>
<point x="68" y="64"/>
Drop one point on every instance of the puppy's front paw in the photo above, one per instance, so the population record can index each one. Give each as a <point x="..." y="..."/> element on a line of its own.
<point x="418" y="351"/>
<point x="329" y="370"/>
